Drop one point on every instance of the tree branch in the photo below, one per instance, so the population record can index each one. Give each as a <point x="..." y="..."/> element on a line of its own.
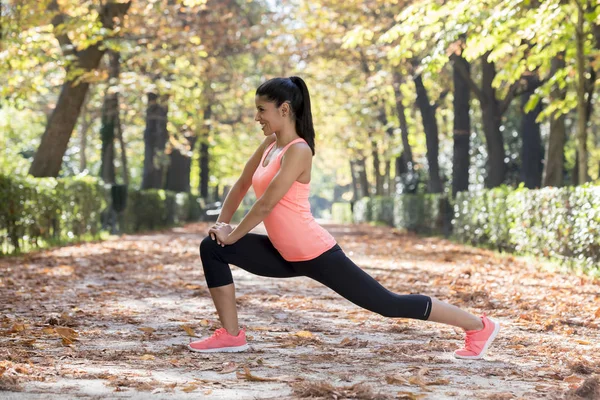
<point x="467" y="77"/>
<point x="63" y="39"/>
<point x="512" y="93"/>
<point x="440" y="99"/>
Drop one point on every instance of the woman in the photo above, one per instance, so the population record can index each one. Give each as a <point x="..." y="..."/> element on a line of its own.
<point x="296" y="245"/>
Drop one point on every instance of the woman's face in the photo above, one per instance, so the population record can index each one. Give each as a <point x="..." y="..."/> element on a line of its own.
<point x="270" y="117"/>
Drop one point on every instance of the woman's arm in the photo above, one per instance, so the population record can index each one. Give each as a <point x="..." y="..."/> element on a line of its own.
<point x="295" y="161"/>
<point x="241" y="186"/>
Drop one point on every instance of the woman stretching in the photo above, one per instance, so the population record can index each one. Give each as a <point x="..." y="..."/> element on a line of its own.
<point x="296" y="245"/>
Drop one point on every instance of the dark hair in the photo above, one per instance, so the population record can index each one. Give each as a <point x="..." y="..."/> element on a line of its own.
<point x="294" y="91"/>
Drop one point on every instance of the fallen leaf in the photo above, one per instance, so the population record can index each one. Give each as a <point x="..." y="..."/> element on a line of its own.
<point x="147" y="357"/>
<point x="48" y="331"/>
<point x="417" y="380"/>
<point x="228" y="367"/>
<point x="249" y="377"/>
<point x="66" y="333"/>
<point x="582" y="341"/>
<point x="17" y="328"/>
<point x="304" y="334"/>
<point x="439" y="382"/>
<point x="204" y="322"/>
<point x="66" y="341"/>
<point x="28" y="342"/>
<point x="356" y="343"/>
<point x="188" y="330"/>
<point x="208" y="391"/>
<point x="573" y="379"/>
<point x="597" y="314"/>
<point x="410" y="396"/>
<point x="190" y="388"/>
<point x="147" y="329"/>
<point x="395" y="380"/>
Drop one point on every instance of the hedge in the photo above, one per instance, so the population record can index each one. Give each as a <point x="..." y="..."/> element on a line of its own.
<point x="551" y="222"/>
<point x="45" y="210"/>
<point x="561" y="223"/>
<point x="423" y="213"/>
<point x="37" y="212"/>
<point x="341" y="213"/>
<point x="363" y="210"/>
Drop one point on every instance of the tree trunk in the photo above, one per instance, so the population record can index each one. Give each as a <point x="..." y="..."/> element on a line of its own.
<point x="407" y="158"/>
<point x="462" y="126"/>
<point x="376" y="171"/>
<point x="581" y="103"/>
<point x="83" y="131"/>
<point x="110" y="113"/>
<point x="431" y="135"/>
<point x="532" y="152"/>
<point x="355" y="181"/>
<point x="363" y="179"/>
<point x="216" y="195"/>
<point x="204" y="154"/>
<point x="155" y="139"/>
<point x="553" y="167"/>
<point x="125" y="168"/>
<point x="387" y="180"/>
<point x="48" y="158"/>
<point x="178" y="174"/>
<point x="491" y="118"/>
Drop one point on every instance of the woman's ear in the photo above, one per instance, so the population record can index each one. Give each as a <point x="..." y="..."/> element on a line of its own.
<point x="285" y="109"/>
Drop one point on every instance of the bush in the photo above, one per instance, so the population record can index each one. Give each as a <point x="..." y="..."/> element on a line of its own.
<point x="41" y="211"/>
<point x="155" y="209"/>
<point x="37" y="212"/>
<point x="341" y="213"/>
<point x="481" y="217"/>
<point x="423" y="213"/>
<point x="362" y="210"/>
<point x="561" y="223"/>
<point x="382" y="210"/>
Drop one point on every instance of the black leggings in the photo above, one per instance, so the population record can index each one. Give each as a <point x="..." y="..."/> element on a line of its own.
<point x="255" y="253"/>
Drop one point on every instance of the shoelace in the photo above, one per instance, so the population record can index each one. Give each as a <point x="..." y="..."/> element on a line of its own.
<point x="468" y="341"/>
<point x="219" y="332"/>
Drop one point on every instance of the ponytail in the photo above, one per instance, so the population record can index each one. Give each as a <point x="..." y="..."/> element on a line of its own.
<point x="304" y="122"/>
<point x="294" y="91"/>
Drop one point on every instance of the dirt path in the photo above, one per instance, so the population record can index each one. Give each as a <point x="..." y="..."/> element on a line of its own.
<point x="112" y="320"/>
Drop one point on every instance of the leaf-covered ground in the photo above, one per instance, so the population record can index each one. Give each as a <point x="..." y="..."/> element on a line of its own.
<point x="112" y="319"/>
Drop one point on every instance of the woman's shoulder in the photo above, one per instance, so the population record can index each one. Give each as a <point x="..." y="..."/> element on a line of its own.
<point x="299" y="148"/>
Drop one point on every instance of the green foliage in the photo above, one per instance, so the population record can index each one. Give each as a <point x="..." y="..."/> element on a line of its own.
<point x="363" y="210"/>
<point x="20" y="133"/>
<point x="341" y="213"/>
<point x="422" y="213"/>
<point x="39" y="212"/>
<point x="382" y="210"/>
<point x="155" y="209"/>
<point x="557" y="223"/>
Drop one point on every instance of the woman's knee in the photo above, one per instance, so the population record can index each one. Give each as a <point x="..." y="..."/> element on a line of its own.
<point x="207" y="246"/>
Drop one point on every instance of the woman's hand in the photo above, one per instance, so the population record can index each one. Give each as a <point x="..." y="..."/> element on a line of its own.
<point x="220" y="232"/>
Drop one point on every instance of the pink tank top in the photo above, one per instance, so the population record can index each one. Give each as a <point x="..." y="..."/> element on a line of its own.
<point x="291" y="226"/>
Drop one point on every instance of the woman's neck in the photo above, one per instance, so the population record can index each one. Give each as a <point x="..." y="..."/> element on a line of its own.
<point x="286" y="136"/>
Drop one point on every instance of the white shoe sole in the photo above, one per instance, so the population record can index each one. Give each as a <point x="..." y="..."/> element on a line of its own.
<point x="487" y="344"/>
<point x="235" y="349"/>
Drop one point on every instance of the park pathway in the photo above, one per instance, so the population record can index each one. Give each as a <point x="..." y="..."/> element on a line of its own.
<point x="112" y="320"/>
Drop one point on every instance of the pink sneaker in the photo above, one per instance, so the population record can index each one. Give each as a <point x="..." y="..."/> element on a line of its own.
<point x="221" y="341"/>
<point x="477" y="342"/>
